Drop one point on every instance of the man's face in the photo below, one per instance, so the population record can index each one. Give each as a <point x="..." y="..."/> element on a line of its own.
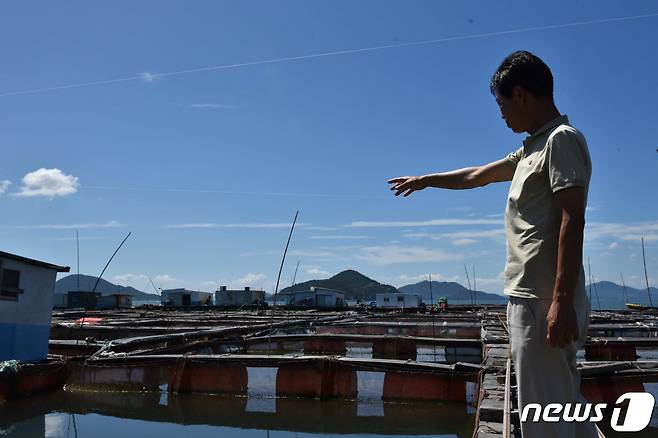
<point x="512" y="109"/>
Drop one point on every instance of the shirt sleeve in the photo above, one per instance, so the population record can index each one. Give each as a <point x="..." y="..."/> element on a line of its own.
<point x="514" y="157"/>
<point x="568" y="160"/>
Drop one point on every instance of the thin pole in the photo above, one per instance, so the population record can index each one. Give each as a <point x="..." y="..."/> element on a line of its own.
<point x="431" y="296"/>
<point x="294" y="277"/>
<point x="156" y="289"/>
<point x="278" y="278"/>
<point x="432" y="316"/>
<point x="77" y="244"/>
<point x="475" y="289"/>
<point x="84" y="315"/>
<point x="292" y="285"/>
<point x="624" y="286"/>
<point x="110" y="261"/>
<point x="507" y="400"/>
<point x="646" y="278"/>
<point x="469" y="283"/>
<point x="589" y="267"/>
<point x="596" y="292"/>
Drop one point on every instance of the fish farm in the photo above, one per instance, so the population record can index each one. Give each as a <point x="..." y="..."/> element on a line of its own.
<point x="303" y="371"/>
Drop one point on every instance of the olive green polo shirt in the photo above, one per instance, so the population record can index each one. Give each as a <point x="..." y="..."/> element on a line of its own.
<point x="553" y="158"/>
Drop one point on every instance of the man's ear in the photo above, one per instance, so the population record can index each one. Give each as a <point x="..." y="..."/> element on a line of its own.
<point x="519" y="95"/>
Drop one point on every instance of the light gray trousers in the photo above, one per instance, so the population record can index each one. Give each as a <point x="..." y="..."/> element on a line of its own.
<point x="545" y="374"/>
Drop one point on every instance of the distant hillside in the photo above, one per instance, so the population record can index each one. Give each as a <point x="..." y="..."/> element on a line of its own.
<point x="355" y="285"/>
<point x="611" y="295"/>
<point x="70" y="282"/>
<point x="454" y="292"/>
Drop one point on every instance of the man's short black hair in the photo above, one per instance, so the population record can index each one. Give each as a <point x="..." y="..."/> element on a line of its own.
<point x="526" y="70"/>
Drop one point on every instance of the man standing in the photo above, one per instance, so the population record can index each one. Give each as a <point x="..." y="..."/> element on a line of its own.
<point x="548" y="309"/>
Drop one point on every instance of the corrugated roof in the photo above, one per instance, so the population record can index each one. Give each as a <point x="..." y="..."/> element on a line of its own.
<point x="57" y="268"/>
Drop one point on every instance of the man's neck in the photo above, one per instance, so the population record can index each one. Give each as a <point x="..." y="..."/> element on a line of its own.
<point x="544" y="115"/>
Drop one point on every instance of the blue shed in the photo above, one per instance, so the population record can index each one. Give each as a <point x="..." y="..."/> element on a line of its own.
<point x="27" y="287"/>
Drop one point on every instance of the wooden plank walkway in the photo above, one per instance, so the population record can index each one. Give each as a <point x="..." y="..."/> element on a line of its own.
<point x="496" y="416"/>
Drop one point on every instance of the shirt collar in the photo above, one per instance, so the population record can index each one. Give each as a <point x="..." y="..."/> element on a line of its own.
<point x="560" y="120"/>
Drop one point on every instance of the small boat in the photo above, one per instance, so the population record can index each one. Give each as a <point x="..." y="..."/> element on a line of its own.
<point x="633" y="306"/>
<point x="641" y="307"/>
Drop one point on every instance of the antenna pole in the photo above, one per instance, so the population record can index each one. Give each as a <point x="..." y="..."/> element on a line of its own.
<point x="589" y="267"/>
<point x="156" y="289"/>
<point x="294" y="278"/>
<point x="431" y="315"/>
<point x="84" y="315"/>
<point x="624" y="286"/>
<point x="468" y="278"/>
<point x="475" y="289"/>
<point x="278" y="278"/>
<point x="110" y="261"/>
<point x="646" y="278"/>
<point x="77" y="244"/>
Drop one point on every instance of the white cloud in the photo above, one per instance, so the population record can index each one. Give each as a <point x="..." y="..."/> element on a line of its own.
<point x="210" y="285"/>
<point x="245" y="225"/>
<point x="311" y="253"/>
<point x="621" y="231"/>
<point x="135" y="280"/>
<point x="321" y="228"/>
<point x="613" y="245"/>
<point x="212" y="105"/>
<point x="425" y="277"/>
<point x="463" y="242"/>
<point x="338" y="237"/>
<point x="429" y="223"/>
<point x="55" y="425"/>
<point x="110" y="224"/>
<point x="458" y="234"/>
<point x="148" y="77"/>
<point x="73" y="238"/>
<point x="653" y="237"/>
<point x="141" y="281"/>
<point x="393" y="254"/>
<point x="459" y="238"/>
<point x="410" y="235"/>
<point x="4" y="185"/>
<point x="250" y="279"/>
<point x="317" y="272"/>
<point x="166" y="280"/>
<point x="470" y="234"/>
<point x="48" y="182"/>
<point x="493" y="284"/>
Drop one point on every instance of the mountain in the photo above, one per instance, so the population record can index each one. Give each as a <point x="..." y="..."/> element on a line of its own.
<point x="70" y="282"/>
<point x="454" y="292"/>
<point x="355" y="285"/>
<point x="611" y="295"/>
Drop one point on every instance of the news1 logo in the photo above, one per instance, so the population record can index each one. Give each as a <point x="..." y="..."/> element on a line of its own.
<point x="638" y="412"/>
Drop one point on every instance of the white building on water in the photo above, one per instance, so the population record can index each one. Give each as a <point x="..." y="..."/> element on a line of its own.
<point x="315" y="297"/>
<point x="398" y="301"/>
<point x="238" y="297"/>
<point x="27" y="288"/>
<point x="184" y="297"/>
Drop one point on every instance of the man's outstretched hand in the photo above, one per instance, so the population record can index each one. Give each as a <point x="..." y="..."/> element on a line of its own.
<point x="407" y="184"/>
<point x="561" y="324"/>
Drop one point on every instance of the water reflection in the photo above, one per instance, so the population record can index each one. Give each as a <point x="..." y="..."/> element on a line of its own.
<point x="107" y="414"/>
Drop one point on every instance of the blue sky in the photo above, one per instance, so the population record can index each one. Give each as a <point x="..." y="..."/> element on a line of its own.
<point x="207" y="167"/>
